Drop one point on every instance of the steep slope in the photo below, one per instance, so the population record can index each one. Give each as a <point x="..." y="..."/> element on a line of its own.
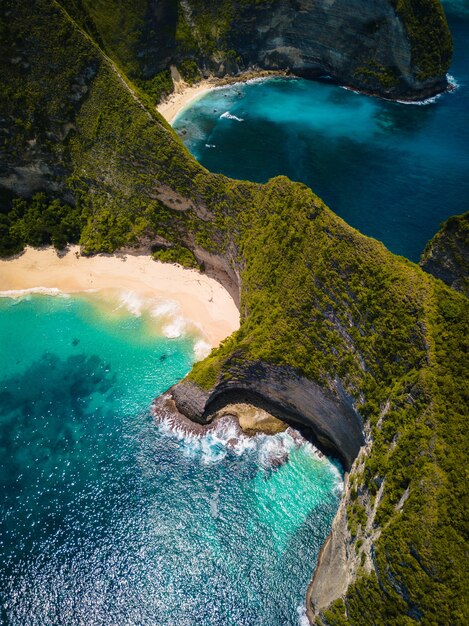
<point x="446" y="255"/>
<point x="334" y="328"/>
<point x="393" y="48"/>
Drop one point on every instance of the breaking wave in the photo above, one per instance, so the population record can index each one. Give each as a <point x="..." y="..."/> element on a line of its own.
<point x="212" y="443"/>
<point x="228" y="116"/>
<point x="43" y="291"/>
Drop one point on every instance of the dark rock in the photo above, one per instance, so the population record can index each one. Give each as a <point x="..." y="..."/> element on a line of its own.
<point x="335" y="425"/>
<point x="372" y="46"/>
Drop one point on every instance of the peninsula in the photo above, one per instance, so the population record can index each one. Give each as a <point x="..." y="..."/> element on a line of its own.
<point x="336" y="333"/>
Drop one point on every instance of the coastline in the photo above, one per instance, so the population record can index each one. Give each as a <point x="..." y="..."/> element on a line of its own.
<point x="200" y="301"/>
<point x="178" y="100"/>
<point x="184" y="93"/>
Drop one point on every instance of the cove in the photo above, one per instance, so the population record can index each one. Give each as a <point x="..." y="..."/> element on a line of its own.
<point x="108" y="517"/>
<point x="394" y="171"/>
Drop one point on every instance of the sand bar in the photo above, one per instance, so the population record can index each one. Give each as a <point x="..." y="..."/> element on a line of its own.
<point x="200" y="300"/>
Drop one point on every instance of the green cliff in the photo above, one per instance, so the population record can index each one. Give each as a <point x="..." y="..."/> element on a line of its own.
<point x="329" y="318"/>
<point x="446" y="255"/>
<point x="394" y="48"/>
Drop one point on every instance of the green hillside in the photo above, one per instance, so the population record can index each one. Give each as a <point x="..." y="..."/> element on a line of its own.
<point x="88" y="159"/>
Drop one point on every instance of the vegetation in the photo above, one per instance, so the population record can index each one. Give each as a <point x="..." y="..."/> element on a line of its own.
<point x="189" y="70"/>
<point x="316" y="295"/>
<point x="176" y="254"/>
<point x="425" y="23"/>
<point x="446" y="255"/>
<point x="158" y="87"/>
<point x="38" y="222"/>
<point x="387" y="77"/>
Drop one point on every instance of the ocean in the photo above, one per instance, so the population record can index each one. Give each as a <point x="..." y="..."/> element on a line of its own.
<point x="109" y="516"/>
<point x="393" y="171"/>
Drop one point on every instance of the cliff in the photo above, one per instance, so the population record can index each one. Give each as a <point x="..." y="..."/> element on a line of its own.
<point x="446" y="256"/>
<point x="336" y="332"/>
<point x="392" y="48"/>
<point x="379" y="47"/>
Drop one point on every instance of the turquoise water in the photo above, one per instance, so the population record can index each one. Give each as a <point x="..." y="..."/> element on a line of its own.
<point x="394" y="171"/>
<point x="108" y="517"/>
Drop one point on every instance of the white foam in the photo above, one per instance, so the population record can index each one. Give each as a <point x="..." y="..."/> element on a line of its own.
<point x="210" y="145"/>
<point x="165" y="308"/>
<point x="228" y="116"/>
<point x="132" y="302"/>
<point x="225" y="435"/>
<point x="453" y="85"/>
<point x="176" y="328"/>
<point x="20" y="293"/>
<point x="201" y="349"/>
<point x="302" y="617"/>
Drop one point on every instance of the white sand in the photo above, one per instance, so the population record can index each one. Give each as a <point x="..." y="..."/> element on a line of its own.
<point x="202" y="303"/>
<point x="178" y="100"/>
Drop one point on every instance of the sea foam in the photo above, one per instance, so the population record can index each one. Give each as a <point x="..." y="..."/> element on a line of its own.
<point x="229" y="116"/>
<point x="44" y="291"/>
<point x="211" y="444"/>
<point x="168" y="315"/>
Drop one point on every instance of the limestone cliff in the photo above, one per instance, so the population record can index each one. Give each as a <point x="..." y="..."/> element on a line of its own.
<point x="379" y="47"/>
<point x="280" y="391"/>
<point x="391" y="48"/>
<point x="447" y="255"/>
<point x="335" y="330"/>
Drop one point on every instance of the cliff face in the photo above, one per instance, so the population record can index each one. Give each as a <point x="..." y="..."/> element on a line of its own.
<point x="446" y="256"/>
<point x="280" y="391"/>
<point x="333" y="326"/>
<point x="380" y="47"/>
<point x="391" y="48"/>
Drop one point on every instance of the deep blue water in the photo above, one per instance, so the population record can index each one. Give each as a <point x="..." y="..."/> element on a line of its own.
<point x="394" y="171"/>
<point x="107" y="517"/>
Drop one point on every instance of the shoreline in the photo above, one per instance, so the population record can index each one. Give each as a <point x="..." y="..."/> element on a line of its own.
<point x="178" y="100"/>
<point x="199" y="302"/>
<point x="184" y="93"/>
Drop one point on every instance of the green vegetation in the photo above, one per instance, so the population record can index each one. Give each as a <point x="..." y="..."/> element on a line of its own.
<point x="446" y="255"/>
<point x="425" y="23"/>
<point x="316" y="295"/>
<point x="158" y="87"/>
<point x="420" y="556"/>
<point x="176" y="254"/>
<point x="38" y="223"/>
<point x="387" y="77"/>
<point x="116" y="26"/>
<point x="189" y="70"/>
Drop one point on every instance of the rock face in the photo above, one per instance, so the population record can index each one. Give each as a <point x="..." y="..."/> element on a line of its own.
<point x="334" y="571"/>
<point x="372" y="46"/>
<point x="391" y="48"/>
<point x="280" y="391"/>
<point x="447" y="254"/>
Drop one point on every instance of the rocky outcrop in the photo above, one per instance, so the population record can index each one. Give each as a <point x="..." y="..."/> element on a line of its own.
<point x="280" y="391"/>
<point x="447" y="254"/>
<point x="376" y="47"/>
<point x="333" y="572"/>
<point x="385" y="47"/>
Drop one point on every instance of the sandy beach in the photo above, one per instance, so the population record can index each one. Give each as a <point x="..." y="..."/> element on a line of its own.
<point x="184" y="93"/>
<point x="181" y="97"/>
<point x="198" y="303"/>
